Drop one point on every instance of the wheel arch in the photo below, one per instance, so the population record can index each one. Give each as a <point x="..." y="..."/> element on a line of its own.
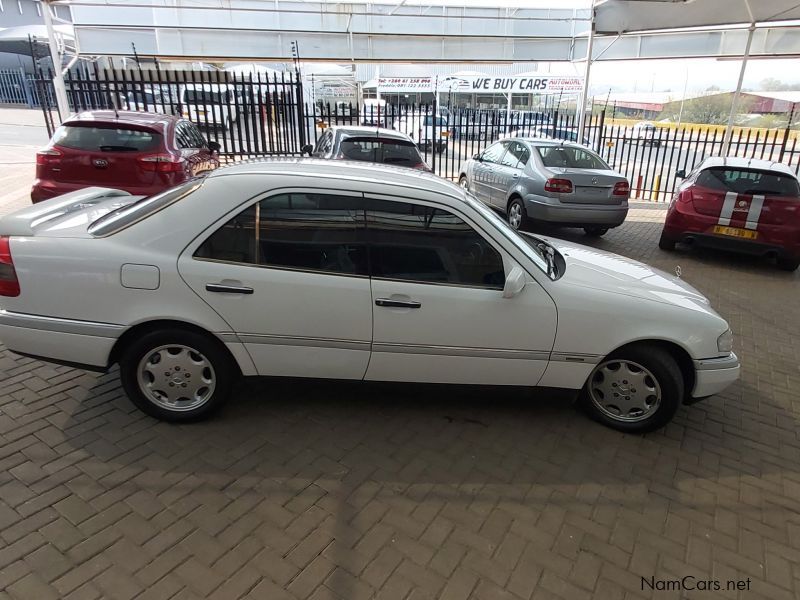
<point x="145" y="327"/>
<point x="515" y="195"/>
<point x="675" y="350"/>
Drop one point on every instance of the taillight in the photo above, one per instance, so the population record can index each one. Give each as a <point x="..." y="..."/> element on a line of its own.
<point x="9" y="284"/>
<point x="422" y="167"/>
<point x="48" y="156"/>
<point x="559" y="186"/>
<point x="161" y="163"/>
<point x="622" y="188"/>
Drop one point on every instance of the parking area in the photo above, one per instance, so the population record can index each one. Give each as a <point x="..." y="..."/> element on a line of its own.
<point x="343" y="490"/>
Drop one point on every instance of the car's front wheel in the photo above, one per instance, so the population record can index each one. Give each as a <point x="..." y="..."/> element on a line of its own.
<point x="176" y="375"/>
<point x="636" y="390"/>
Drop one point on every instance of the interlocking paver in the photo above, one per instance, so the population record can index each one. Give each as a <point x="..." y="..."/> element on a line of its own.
<point x="312" y="491"/>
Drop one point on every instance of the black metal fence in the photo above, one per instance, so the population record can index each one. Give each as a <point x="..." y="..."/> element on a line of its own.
<point x="263" y="114"/>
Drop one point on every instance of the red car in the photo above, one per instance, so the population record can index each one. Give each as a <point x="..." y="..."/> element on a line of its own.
<point x="139" y="152"/>
<point x="745" y="205"/>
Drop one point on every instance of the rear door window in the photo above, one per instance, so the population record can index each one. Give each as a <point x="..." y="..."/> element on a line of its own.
<point x="568" y="157"/>
<point x="749" y="181"/>
<point x="391" y="152"/>
<point x="106" y="139"/>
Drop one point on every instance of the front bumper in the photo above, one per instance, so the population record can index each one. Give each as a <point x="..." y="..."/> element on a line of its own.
<point x="576" y="215"/>
<point x="712" y="375"/>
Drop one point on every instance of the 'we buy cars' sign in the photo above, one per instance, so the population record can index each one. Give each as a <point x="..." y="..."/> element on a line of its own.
<point x="520" y="84"/>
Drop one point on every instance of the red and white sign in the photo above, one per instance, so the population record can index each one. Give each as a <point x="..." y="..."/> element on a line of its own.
<point x="403" y="85"/>
<point x="479" y="84"/>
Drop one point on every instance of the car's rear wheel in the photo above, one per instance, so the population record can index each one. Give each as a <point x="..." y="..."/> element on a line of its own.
<point x="788" y="264"/>
<point x="666" y="243"/>
<point x="637" y="389"/>
<point x="517" y="217"/>
<point x="595" y="231"/>
<point x="176" y="375"/>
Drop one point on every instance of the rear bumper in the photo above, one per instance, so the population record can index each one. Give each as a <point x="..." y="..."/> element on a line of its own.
<point x="685" y="225"/>
<point x="44" y="189"/>
<point x="576" y="215"/>
<point x="714" y="375"/>
<point x="60" y="340"/>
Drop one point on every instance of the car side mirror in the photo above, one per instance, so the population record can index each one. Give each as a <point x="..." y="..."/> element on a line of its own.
<point x="680" y="173"/>
<point x="477" y="157"/>
<point x="214" y="146"/>
<point x="307" y="149"/>
<point x="515" y="282"/>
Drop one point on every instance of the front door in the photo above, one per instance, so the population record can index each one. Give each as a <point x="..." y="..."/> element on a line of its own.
<point x="508" y="173"/>
<point x="289" y="275"/>
<point x="484" y="172"/>
<point x="439" y="312"/>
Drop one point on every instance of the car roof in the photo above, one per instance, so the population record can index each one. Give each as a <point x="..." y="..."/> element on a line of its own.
<point x="736" y="162"/>
<point x="545" y="141"/>
<point x="362" y="131"/>
<point x="343" y="169"/>
<point x="123" y="117"/>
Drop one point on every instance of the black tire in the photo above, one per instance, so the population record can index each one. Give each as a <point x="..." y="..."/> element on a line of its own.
<point x="666" y="243"/>
<point x="523" y="214"/>
<point x="595" y="231"/>
<point x="665" y="372"/>
<point x="788" y="264"/>
<point x="223" y="372"/>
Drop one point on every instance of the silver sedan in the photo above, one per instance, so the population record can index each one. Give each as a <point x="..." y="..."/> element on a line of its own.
<point x="551" y="181"/>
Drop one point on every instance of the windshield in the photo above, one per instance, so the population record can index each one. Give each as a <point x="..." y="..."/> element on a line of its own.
<point x="128" y="215"/>
<point x="106" y="139"/>
<point x="528" y="244"/>
<point x="569" y="157"/>
<point x="749" y="181"/>
<point x="380" y="150"/>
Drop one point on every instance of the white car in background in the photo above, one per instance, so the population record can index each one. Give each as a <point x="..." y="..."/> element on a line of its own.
<point x="646" y="132"/>
<point x="327" y="269"/>
<point x="209" y="104"/>
<point x="428" y="132"/>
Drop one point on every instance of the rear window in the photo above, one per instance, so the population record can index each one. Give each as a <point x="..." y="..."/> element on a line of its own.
<point x="566" y="157"/>
<point x="205" y="97"/>
<point x="133" y="213"/>
<point x="748" y="181"/>
<point x="390" y="152"/>
<point x="106" y="139"/>
<point x="440" y="122"/>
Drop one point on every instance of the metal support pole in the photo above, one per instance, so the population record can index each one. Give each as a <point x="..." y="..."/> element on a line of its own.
<point x="726" y="140"/>
<point x="58" y="77"/>
<point x="508" y="113"/>
<point x="585" y="91"/>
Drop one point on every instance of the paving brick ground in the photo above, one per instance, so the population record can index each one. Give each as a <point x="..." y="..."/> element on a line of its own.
<point x="317" y="491"/>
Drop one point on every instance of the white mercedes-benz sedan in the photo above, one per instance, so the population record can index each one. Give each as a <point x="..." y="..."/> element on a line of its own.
<point x="307" y="268"/>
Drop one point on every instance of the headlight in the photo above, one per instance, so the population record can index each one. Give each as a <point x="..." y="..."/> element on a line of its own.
<point x="725" y="342"/>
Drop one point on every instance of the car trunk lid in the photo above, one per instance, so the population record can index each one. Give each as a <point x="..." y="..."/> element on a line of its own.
<point x="101" y="154"/>
<point x="589" y="186"/>
<point x="66" y="216"/>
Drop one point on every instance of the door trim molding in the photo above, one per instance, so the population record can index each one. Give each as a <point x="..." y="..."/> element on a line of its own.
<point x="460" y="351"/>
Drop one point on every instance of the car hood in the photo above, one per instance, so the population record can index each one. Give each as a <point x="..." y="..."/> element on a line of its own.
<point x="595" y="269"/>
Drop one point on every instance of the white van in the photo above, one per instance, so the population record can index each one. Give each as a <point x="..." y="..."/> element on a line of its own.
<point x="212" y="104"/>
<point x="373" y="111"/>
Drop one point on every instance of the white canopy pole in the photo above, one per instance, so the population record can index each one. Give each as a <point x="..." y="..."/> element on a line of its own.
<point x="508" y="113"/>
<point x="585" y="91"/>
<point x="58" y="77"/>
<point x="726" y="140"/>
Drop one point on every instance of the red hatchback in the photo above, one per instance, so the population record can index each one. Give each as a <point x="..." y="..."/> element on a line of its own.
<point x="139" y="152"/>
<point x="739" y="204"/>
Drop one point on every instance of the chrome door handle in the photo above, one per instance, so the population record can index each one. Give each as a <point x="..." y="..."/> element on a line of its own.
<point x="228" y="289"/>
<point x="397" y="303"/>
<point x="515" y="176"/>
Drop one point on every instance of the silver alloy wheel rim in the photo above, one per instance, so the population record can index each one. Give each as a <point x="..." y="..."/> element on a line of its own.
<point x="624" y="390"/>
<point x="176" y="377"/>
<point x="515" y="215"/>
<point x="464" y="183"/>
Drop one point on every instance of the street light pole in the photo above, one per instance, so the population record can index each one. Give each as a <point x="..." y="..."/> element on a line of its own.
<point x="58" y="77"/>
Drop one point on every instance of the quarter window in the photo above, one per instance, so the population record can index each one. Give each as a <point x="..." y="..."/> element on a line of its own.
<point x="420" y="243"/>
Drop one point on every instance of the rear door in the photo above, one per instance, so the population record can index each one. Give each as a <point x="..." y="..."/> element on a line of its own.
<point x="104" y="154"/>
<point x="745" y="198"/>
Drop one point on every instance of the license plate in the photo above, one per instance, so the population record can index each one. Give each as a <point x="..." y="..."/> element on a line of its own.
<point x="746" y="234"/>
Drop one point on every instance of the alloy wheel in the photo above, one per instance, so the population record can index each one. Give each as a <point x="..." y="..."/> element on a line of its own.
<point x="515" y="215"/>
<point x="176" y="377"/>
<point x="624" y="390"/>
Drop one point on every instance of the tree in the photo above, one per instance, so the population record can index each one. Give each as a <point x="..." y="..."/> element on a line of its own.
<point x="712" y="109"/>
<point x="771" y="84"/>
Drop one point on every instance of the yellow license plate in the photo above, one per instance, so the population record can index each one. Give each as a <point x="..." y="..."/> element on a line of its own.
<point x="746" y="234"/>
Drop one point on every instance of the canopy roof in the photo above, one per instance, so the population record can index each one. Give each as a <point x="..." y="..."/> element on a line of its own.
<point x="620" y="16"/>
